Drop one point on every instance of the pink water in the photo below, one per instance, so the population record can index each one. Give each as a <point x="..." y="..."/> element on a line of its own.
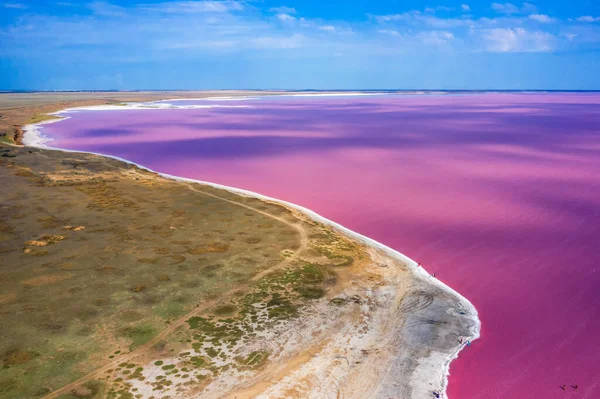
<point x="499" y="194"/>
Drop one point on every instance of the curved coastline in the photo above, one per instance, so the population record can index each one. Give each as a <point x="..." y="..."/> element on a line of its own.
<point x="34" y="138"/>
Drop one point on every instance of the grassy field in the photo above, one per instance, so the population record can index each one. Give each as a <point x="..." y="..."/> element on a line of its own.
<point x="106" y="269"/>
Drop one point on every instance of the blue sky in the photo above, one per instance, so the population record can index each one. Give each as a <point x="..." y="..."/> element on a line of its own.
<point x="298" y="44"/>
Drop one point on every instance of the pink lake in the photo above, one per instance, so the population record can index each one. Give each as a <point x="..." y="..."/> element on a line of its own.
<point x="498" y="194"/>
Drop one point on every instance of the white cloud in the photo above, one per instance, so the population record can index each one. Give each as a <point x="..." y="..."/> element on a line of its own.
<point x="505" y="40"/>
<point x="417" y="17"/>
<point x="438" y="8"/>
<point x="506" y="8"/>
<point x="105" y="9"/>
<point x="390" y="32"/>
<point x="285" y="17"/>
<point x="184" y="7"/>
<point x="529" y="8"/>
<point x="510" y="8"/>
<point x="223" y="27"/>
<point x="588" y="18"/>
<point x="16" y="6"/>
<point x="286" y="42"/>
<point x="570" y="36"/>
<point x="198" y="44"/>
<point x="328" y="28"/>
<point x="283" y="10"/>
<point x="543" y="18"/>
<point x="436" y="37"/>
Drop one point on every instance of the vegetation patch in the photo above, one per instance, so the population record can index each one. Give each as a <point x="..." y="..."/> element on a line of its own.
<point x="138" y="335"/>
<point x="36" y="253"/>
<point x="42" y="117"/>
<point x="150" y="261"/>
<point x="138" y="288"/>
<point x="107" y="269"/>
<point x="212" y="352"/>
<point x="225" y="310"/>
<point x="47" y="279"/>
<point x="198" y="361"/>
<point x="214" y="247"/>
<point x="338" y="301"/>
<point x="341" y="260"/>
<point x="311" y="292"/>
<point x="177" y="259"/>
<point x="45" y="240"/>
<point x="15" y="357"/>
<point x="90" y="390"/>
<point x="254" y="359"/>
<point x="312" y="273"/>
<point x="280" y="307"/>
<point x="49" y="222"/>
<point x="170" y="309"/>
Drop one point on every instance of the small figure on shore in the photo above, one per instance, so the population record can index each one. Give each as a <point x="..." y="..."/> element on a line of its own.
<point x="468" y="343"/>
<point x="575" y="386"/>
<point x="432" y="274"/>
<point x="563" y="387"/>
<point x="460" y="340"/>
<point x="436" y="394"/>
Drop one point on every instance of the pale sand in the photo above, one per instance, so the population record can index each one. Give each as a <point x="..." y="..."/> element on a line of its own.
<point x="400" y="346"/>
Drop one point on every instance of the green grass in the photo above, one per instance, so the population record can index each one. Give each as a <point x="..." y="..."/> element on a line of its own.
<point x="224" y="310"/>
<point x="212" y="352"/>
<point x="311" y="292"/>
<point x="6" y="138"/>
<point x="312" y="273"/>
<point x="138" y="335"/>
<point x="170" y="310"/>
<point x="198" y="361"/>
<point x="90" y="390"/>
<point x="42" y="118"/>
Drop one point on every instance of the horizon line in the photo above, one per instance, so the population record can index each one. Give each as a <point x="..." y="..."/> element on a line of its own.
<point x="293" y="90"/>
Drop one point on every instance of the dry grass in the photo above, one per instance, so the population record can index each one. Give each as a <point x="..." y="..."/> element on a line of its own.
<point x="91" y="251"/>
<point x="46" y="279"/>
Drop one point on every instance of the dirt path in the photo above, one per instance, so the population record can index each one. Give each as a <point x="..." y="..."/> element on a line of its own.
<point x="346" y="367"/>
<point x="299" y="229"/>
<point x="182" y="320"/>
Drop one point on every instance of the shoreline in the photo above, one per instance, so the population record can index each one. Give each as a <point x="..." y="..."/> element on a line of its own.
<point x="32" y="137"/>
